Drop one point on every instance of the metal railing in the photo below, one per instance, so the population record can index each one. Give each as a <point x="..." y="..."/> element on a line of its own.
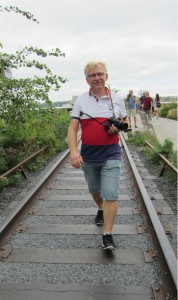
<point x="19" y="166"/>
<point x="164" y="159"/>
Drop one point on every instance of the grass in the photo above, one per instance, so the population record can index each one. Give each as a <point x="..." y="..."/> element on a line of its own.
<point x="139" y="138"/>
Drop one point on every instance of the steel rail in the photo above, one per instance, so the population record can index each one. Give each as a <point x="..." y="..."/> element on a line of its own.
<point x="11" y="217"/>
<point x="162" y="238"/>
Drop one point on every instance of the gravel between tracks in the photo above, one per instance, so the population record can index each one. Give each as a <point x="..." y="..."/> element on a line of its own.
<point x="52" y="273"/>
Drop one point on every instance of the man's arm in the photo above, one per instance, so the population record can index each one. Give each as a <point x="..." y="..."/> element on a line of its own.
<point x="75" y="157"/>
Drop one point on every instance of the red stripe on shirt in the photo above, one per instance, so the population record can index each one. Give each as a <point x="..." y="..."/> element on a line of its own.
<point x="94" y="133"/>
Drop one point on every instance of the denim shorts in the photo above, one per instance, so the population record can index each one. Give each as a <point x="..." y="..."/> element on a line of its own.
<point x="103" y="177"/>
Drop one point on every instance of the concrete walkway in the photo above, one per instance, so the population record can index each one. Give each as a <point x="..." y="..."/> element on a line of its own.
<point x="163" y="129"/>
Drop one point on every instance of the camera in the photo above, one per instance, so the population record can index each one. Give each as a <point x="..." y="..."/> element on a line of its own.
<point x="119" y="125"/>
<point x="111" y="121"/>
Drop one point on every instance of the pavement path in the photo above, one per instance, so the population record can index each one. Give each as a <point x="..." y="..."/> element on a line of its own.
<point x="163" y="129"/>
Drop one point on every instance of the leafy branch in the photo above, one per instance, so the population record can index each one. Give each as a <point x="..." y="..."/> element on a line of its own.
<point x="26" y="14"/>
<point x="17" y="96"/>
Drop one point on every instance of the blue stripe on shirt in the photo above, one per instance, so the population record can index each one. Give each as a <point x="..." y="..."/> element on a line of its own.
<point x="100" y="153"/>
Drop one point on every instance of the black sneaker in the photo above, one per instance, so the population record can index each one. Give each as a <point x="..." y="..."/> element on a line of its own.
<point x="108" y="243"/>
<point x="99" y="220"/>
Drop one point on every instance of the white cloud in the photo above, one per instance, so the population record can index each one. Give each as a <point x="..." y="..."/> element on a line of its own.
<point x="136" y="38"/>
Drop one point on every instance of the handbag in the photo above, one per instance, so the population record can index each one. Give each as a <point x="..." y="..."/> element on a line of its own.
<point x="158" y="104"/>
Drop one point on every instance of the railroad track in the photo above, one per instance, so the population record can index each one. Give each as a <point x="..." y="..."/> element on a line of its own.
<point x="51" y="248"/>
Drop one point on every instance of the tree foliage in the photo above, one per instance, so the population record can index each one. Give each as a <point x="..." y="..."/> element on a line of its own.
<point x="18" y="96"/>
<point x="26" y="14"/>
<point x="24" y="125"/>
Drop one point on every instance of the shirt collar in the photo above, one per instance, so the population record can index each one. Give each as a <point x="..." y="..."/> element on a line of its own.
<point x="108" y="92"/>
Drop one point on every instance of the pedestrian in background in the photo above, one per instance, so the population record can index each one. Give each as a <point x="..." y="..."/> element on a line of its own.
<point x="131" y="111"/>
<point x="100" y="156"/>
<point x="147" y="105"/>
<point x="157" y="105"/>
<point x="142" y="99"/>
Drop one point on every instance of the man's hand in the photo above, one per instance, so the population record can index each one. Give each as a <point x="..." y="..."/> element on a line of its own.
<point x="113" y="130"/>
<point x="76" y="159"/>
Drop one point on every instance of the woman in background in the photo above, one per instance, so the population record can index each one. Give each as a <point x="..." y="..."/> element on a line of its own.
<point x="157" y="105"/>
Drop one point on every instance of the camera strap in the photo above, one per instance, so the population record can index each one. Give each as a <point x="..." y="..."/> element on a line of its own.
<point x="110" y="97"/>
<point x="113" y="109"/>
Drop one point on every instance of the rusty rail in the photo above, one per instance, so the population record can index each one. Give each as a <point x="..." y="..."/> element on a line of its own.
<point x="22" y="163"/>
<point x="165" y="160"/>
<point x="158" y="228"/>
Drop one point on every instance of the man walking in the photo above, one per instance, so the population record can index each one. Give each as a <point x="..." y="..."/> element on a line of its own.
<point x="100" y="156"/>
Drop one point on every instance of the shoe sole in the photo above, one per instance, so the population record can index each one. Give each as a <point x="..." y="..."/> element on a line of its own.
<point x="99" y="224"/>
<point x="109" y="247"/>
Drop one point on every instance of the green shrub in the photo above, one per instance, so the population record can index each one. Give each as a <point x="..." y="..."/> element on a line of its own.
<point x="42" y="128"/>
<point x="167" y="148"/>
<point x="139" y="138"/>
<point x="172" y="114"/>
<point x="10" y="181"/>
<point x="3" y="163"/>
<point x="165" y="108"/>
<point x="35" y="164"/>
<point x="3" y="183"/>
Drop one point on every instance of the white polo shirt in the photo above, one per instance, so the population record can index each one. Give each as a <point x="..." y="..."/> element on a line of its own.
<point x="97" y="144"/>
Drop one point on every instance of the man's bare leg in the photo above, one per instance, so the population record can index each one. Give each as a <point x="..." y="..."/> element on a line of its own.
<point x="135" y="121"/>
<point x="129" y="121"/>
<point x="98" y="200"/>
<point x="110" y="211"/>
<point x="99" y="220"/>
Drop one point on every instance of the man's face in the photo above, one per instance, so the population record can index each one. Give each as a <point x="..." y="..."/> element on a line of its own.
<point x="96" y="78"/>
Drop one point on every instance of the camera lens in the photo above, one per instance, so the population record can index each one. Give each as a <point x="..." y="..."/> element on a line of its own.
<point x="121" y="125"/>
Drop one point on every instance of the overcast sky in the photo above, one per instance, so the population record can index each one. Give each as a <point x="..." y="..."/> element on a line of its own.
<point x="136" y="39"/>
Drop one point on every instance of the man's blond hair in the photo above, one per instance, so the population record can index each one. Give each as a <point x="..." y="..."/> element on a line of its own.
<point x="94" y="64"/>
